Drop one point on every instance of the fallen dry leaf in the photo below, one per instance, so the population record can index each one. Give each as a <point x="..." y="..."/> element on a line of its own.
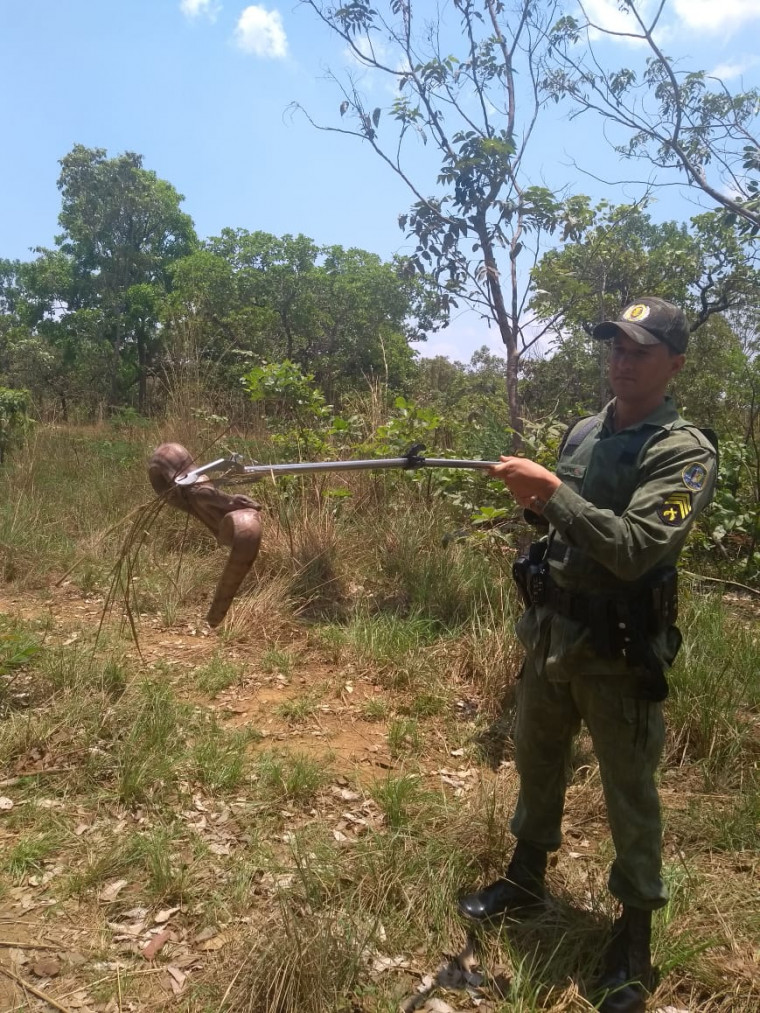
<point x="468" y="959"/>
<point x="437" y="1006"/>
<point x="179" y="976"/>
<point x="381" y="963"/>
<point x="46" y="967"/>
<point x="78" y="1000"/>
<point x="213" y="944"/>
<point x="176" y="979"/>
<point x="345" y="794"/>
<point x="126" y="930"/>
<point x="136" y="913"/>
<point x="165" y="915"/>
<point x="109" y="893"/>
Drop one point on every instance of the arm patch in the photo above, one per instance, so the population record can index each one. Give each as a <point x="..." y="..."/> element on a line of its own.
<point x="675" y="508"/>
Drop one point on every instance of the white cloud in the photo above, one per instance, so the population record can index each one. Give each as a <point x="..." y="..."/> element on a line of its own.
<point x="695" y="15"/>
<point x="260" y="32"/>
<point x="711" y="15"/>
<point x="729" y="71"/>
<point x="196" y="8"/>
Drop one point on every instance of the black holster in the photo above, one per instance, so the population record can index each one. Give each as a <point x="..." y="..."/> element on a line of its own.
<point x="531" y="574"/>
<point x="634" y="626"/>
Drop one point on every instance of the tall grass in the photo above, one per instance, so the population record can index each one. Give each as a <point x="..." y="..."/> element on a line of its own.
<point x="335" y="883"/>
<point x="715" y="696"/>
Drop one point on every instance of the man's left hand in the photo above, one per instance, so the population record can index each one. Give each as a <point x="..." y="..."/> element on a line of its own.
<point x="531" y="484"/>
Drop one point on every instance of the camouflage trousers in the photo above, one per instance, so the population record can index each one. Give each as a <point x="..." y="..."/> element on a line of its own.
<point x="628" y="736"/>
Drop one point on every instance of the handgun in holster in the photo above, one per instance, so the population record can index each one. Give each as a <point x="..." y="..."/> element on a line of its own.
<point x="530" y="573"/>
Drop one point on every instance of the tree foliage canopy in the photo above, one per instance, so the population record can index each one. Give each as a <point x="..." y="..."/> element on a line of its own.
<point x="686" y="123"/>
<point x="470" y="93"/>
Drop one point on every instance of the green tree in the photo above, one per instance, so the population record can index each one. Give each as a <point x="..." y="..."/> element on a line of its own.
<point x="14" y="418"/>
<point x="477" y="105"/>
<point x="686" y="123"/>
<point x="122" y="230"/>
<point x="50" y="345"/>
<point x="344" y="316"/>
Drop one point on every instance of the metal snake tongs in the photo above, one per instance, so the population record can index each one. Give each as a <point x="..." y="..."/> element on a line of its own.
<point x="236" y="520"/>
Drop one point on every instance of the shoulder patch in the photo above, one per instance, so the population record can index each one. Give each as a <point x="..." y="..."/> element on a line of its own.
<point x="675" y="508"/>
<point x="694" y="476"/>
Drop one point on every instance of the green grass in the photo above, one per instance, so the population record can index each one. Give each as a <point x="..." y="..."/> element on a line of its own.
<point x="398" y="799"/>
<point x="123" y="767"/>
<point x="715" y="694"/>
<point x="426" y="704"/>
<point x="277" y="661"/>
<point x="160" y="857"/>
<point x="30" y="853"/>
<point x="218" y="674"/>
<point x="288" y="778"/>
<point x="18" y="645"/>
<point x="447" y="586"/>
<point x="404" y="737"/>
<point x="375" y="710"/>
<point x="219" y="759"/>
<point x="403" y="651"/>
<point x="299" y="709"/>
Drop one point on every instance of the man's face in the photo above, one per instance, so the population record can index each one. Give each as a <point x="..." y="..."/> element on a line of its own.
<point x="641" y="372"/>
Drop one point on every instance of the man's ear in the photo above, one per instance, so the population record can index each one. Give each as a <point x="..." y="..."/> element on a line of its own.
<point x="676" y="364"/>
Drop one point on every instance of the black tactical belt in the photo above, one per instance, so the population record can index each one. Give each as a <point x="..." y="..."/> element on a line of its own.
<point x="650" y="609"/>
<point x="571" y="605"/>
<point x="656" y="607"/>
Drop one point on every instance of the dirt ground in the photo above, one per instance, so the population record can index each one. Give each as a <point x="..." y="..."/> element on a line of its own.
<point x="43" y="942"/>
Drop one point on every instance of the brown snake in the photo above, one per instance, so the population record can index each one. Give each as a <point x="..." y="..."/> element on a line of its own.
<point x="234" y="520"/>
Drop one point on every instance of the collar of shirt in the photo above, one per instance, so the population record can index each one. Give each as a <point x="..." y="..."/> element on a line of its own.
<point x="662" y="415"/>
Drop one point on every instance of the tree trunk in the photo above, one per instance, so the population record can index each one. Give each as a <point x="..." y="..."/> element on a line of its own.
<point x="508" y="336"/>
<point x="142" y="373"/>
<point x="117" y="341"/>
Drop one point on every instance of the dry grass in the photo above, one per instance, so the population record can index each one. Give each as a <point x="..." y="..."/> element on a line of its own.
<point x="312" y="785"/>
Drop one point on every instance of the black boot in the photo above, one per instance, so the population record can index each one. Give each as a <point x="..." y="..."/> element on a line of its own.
<point x="521" y="890"/>
<point x="628" y="975"/>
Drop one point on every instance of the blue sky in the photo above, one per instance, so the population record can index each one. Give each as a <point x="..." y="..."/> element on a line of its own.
<point x="201" y="88"/>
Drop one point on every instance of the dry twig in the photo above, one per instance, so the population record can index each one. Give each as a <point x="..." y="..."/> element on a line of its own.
<point x="37" y="992"/>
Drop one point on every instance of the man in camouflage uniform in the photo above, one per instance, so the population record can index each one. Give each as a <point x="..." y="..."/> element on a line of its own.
<point x="599" y="629"/>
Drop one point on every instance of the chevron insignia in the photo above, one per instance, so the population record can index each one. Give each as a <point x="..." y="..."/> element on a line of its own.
<point x="675" y="508"/>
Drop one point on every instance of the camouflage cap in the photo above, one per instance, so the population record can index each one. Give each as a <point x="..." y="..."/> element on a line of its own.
<point x="648" y="321"/>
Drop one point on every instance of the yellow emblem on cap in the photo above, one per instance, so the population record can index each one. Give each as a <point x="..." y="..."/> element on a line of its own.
<point x="675" y="508"/>
<point x="639" y="311"/>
